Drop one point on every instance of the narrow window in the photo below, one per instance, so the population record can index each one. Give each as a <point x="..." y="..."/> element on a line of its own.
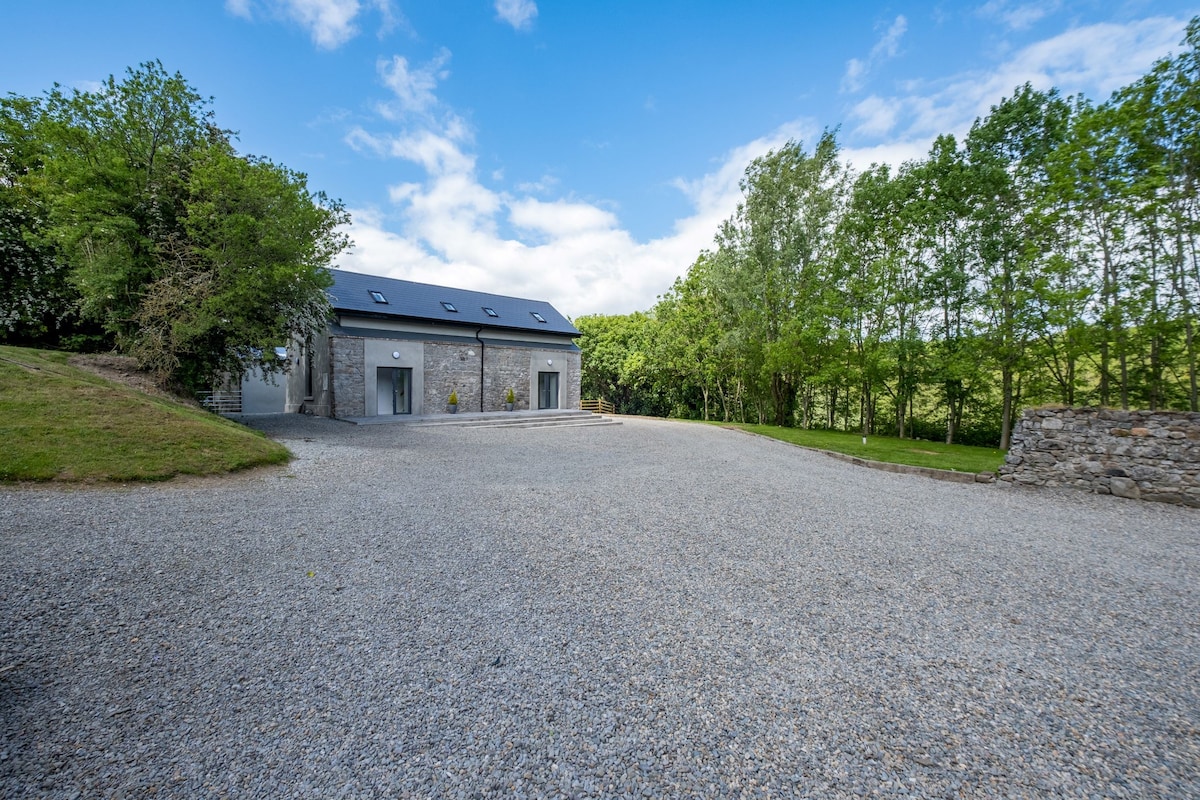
<point x="491" y="312"/>
<point x="308" y="371"/>
<point x="378" y="297"/>
<point x="449" y="306"/>
<point x="538" y="316"/>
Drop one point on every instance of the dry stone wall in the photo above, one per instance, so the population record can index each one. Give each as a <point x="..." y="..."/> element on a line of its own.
<point x="1148" y="455"/>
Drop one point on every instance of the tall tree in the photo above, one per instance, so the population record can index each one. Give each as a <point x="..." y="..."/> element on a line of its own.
<point x="688" y="336"/>
<point x="772" y="252"/>
<point x="943" y="185"/>
<point x="1009" y="149"/>
<point x="33" y="280"/>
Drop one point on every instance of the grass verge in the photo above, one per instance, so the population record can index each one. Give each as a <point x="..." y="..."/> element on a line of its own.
<point x="916" y="453"/>
<point x="60" y="423"/>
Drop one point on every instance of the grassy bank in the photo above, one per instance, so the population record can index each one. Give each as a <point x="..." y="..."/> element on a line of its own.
<point x="917" y="453"/>
<point x="60" y="423"/>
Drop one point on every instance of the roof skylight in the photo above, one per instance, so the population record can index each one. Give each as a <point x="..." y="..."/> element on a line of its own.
<point x="491" y="312"/>
<point x="449" y="306"/>
<point x="538" y="316"/>
<point x="378" y="296"/>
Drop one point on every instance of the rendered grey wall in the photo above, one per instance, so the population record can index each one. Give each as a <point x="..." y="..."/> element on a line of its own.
<point x="390" y="353"/>
<point x="263" y="394"/>
<point x="1144" y="455"/>
<point x="320" y="402"/>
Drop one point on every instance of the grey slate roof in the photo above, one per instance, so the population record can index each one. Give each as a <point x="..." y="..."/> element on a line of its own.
<point x="351" y="292"/>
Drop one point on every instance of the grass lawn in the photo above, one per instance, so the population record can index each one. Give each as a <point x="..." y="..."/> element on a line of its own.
<point x="61" y="423"/>
<point x="917" y="453"/>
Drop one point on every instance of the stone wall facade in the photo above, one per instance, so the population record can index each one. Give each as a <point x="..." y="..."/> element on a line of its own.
<point x="1148" y="455"/>
<point x="507" y="368"/>
<point x="455" y="366"/>
<point x="349" y="381"/>
<point x="451" y="367"/>
<point x="354" y="365"/>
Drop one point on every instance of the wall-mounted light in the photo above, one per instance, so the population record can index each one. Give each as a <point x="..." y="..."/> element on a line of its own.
<point x="549" y="362"/>
<point x="395" y="354"/>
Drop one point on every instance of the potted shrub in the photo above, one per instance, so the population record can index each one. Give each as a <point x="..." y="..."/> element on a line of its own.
<point x="509" y="400"/>
<point x="453" y="402"/>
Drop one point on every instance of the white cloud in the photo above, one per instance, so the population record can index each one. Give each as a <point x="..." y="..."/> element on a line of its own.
<point x="437" y="153"/>
<point x="1018" y="16"/>
<point x="413" y="87"/>
<point x="330" y="23"/>
<point x="893" y="153"/>
<point x="877" y="116"/>
<point x="856" y="72"/>
<point x="889" y="44"/>
<point x="886" y="48"/>
<point x="239" y="8"/>
<point x="1100" y="57"/>
<point x="448" y="228"/>
<point x="518" y="13"/>
<point x="559" y="218"/>
<point x="544" y="184"/>
<point x="572" y="253"/>
<point x="1093" y="60"/>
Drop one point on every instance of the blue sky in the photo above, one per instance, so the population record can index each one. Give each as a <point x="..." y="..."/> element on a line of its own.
<point x="578" y="152"/>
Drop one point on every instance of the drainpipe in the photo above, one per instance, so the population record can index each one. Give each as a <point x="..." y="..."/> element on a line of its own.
<point x="481" y="349"/>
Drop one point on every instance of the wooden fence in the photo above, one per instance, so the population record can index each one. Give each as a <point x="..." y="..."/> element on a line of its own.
<point x="600" y="406"/>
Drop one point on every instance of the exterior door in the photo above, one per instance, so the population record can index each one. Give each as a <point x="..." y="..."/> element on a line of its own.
<point x="393" y="390"/>
<point x="547" y="390"/>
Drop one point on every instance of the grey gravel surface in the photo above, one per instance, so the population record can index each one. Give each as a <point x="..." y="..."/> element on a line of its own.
<point x="647" y="610"/>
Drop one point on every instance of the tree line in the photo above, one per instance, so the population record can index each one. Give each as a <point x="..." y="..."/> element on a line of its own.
<point x="1049" y="257"/>
<point x="128" y="220"/>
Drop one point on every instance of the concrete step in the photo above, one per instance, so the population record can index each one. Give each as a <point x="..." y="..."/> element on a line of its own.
<point x="556" y="423"/>
<point x="505" y="419"/>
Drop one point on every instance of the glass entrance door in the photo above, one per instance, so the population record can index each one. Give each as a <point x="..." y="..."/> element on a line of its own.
<point x="393" y="390"/>
<point x="547" y="390"/>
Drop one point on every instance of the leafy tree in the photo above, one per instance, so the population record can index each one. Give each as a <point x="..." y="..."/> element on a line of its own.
<point x="1010" y="149"/>
<point x="769" y="270"/>
<point x="194" y="259"/>
<point x="943" y="185"/>
<point x="687" y="339"/>
<point x="33" y="280"/>
<point x="616" y="361"/>
<point x="1164" y="111"/>
<point x="113" y="181"/>
<point x="249" y="274"/>
<point x="1052" y="256"/>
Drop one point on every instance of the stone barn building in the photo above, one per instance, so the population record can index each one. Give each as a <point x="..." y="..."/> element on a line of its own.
<point x="399" y="347"/>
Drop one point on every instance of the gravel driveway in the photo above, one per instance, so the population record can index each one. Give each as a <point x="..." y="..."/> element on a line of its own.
<point x="652" y="609"/>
